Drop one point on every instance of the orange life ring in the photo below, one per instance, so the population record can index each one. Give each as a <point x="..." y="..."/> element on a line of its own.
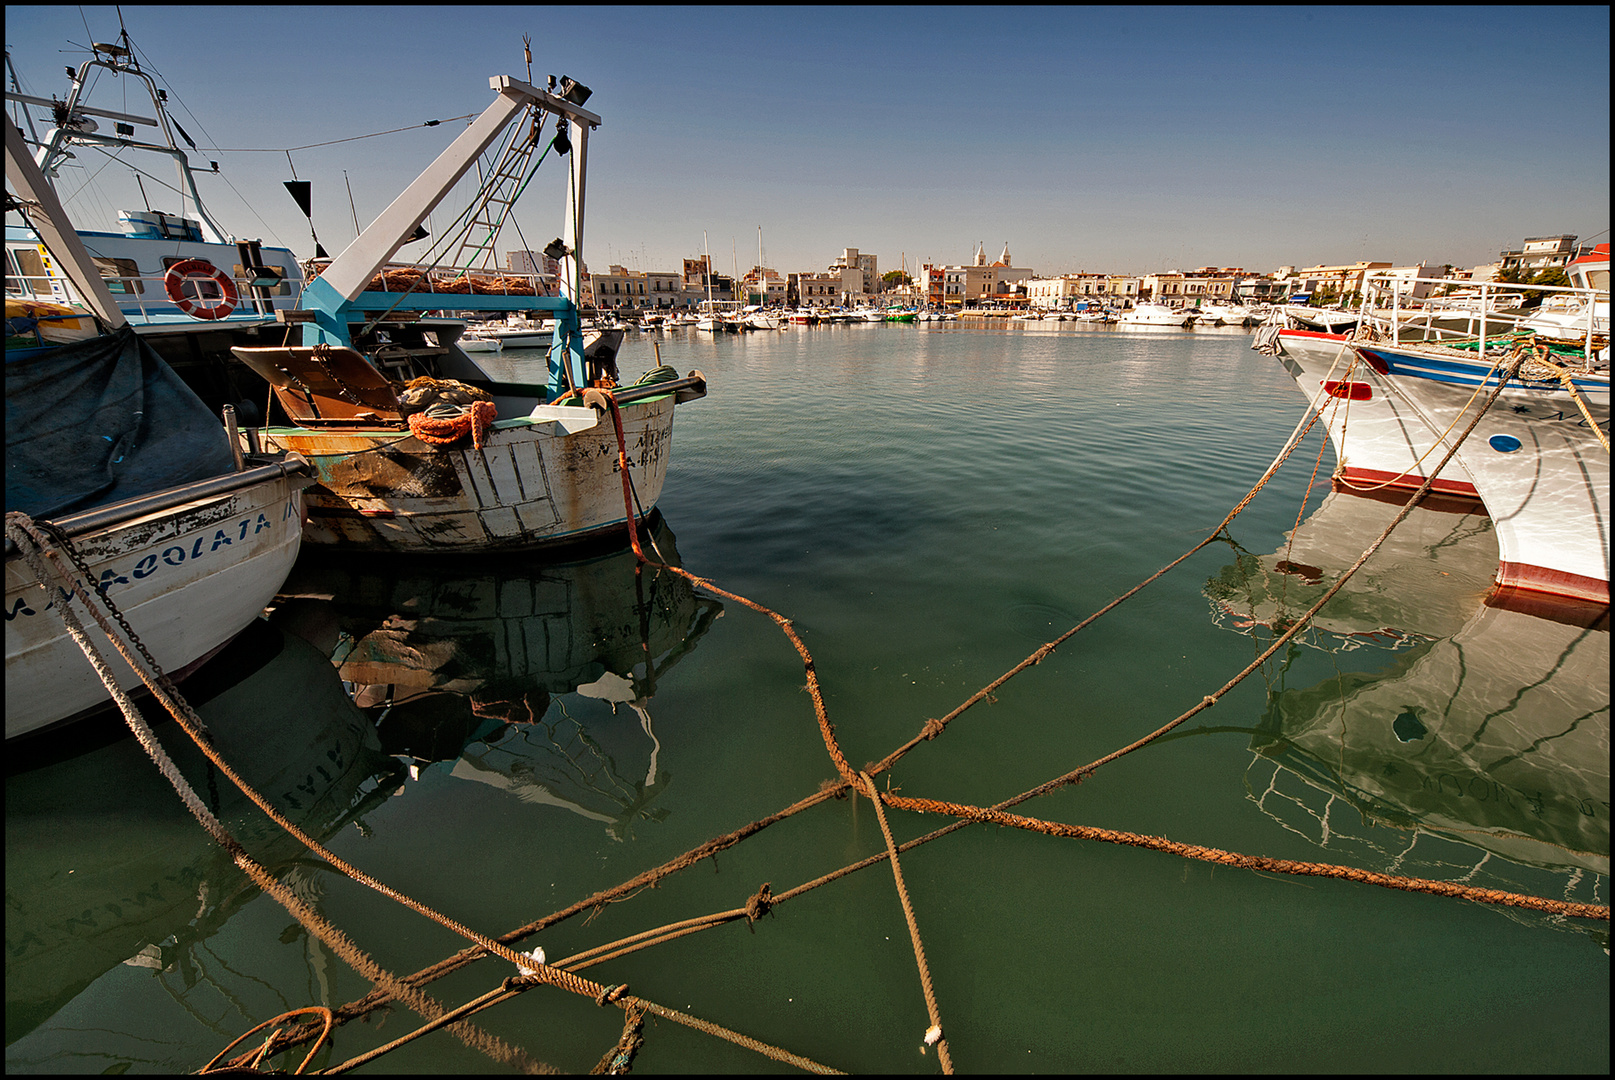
<point x="200" y="270"/>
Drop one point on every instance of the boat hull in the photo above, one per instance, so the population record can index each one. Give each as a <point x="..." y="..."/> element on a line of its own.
<point x="1535" y="462"/>
<point x="1154" y="315"/>
<point x="1380" y="442"/>
<point x="186" y="579"/>
<point x="531" y="484"/>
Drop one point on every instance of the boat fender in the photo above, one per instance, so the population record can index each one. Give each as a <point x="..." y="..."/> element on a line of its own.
<point x="200" y="270"/>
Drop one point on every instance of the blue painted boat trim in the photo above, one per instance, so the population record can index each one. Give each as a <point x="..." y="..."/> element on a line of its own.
<point x="1461" y="373"/>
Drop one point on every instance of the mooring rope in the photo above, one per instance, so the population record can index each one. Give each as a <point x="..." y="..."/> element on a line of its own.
<point x="535" y="972"/>
<point x="34" y="544"/>
<point x="826" y="729"/>
<point x="1567" y="378"/>
<point x="1251" y="862"/>
<point x="935" y="726"/>
<point x="192" y="725"/>
<point x="833" y="789"/>
<point x="933" y="1035"/>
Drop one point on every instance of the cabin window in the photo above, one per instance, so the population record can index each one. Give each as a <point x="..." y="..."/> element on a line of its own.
<point x="122" y="277"/>
<point x="30" y="274"/>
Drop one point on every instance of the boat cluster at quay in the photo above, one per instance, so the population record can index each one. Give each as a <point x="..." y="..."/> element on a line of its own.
<point x="731" y="317"/>
<point x="718" y="317"/>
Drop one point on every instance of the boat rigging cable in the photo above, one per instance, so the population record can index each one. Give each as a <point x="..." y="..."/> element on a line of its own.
<point x="459" y="229"/>
<point x="45" y="554"/>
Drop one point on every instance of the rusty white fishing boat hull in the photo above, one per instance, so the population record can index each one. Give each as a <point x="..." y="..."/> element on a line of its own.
<point x="187" y="578"/>
<point x="1380" y="442"/>
<point x="532" y="483"/>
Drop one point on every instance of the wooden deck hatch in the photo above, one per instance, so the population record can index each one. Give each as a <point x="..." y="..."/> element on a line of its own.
<point x="324" y="386"/>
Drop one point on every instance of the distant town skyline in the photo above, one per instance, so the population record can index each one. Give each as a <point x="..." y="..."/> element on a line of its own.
<point x="1126" y="140"/>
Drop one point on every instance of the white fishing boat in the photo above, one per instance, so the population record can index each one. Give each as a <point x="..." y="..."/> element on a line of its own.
<point x="1380" y="442"/>
<point x="517" y="331"/>
<point x="417" y="446"/>
<point x="719" y="316"/>
<point x="469" y="342"/>
<point x="1322" y="320"/>
<point x="1154" y="315"/>
<point x="1214" y="314"/>
<point x="111" y="450"/>
<point x="1539" y="457"/>
<point x="181" y="279"/>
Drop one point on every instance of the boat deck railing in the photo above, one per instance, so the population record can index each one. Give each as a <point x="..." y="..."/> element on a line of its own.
<point x="1391" y="308"/>
<point x="144" y="300"/>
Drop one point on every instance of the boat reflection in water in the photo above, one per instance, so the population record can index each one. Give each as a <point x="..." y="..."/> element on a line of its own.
<point x="1424" y="582"/>
<point x="532" y="677"/>
<point x="105" y="867"/>
<point x="1489" y="729"/>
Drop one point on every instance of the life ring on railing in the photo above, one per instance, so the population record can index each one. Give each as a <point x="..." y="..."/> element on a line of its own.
<point x="200" y="270"/>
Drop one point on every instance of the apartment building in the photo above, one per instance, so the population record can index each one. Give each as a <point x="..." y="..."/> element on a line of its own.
<point x="1540" y="253"/>
<point x="859" y="275"/>
<point x="812" y="290"/>
<point x="1340" y="280"/>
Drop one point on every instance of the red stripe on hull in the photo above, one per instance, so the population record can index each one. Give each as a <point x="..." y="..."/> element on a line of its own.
<point x="1408" y="482"/>
<point x="1553" y="582"/>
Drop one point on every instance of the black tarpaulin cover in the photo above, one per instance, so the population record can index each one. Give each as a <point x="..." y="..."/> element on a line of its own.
<point x="100" y="421"/>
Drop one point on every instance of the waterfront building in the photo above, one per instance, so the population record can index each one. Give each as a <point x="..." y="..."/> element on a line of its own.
<point x="1265" y="288"/>
<point x="811" y="290"/>
<point x="1178" y="289"/>
<point x="622" y="288"/>
<point x="859" y="275"/>
<point x="1414" y="290"/>
<point x="1058" y="293"/>
<point x="1540" y="253"/>
<point x="694" y="283"/>
<point x="1123" y="286"/>
<point x="1007" y="276"/>
<point x="1051" y="294"/>
<point x="772" y="290"/>
<point x="965" y="284"/>
<point x="1341" y="280"/>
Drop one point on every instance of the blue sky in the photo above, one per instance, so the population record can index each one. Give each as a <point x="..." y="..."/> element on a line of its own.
<point x="1121" y="139"/>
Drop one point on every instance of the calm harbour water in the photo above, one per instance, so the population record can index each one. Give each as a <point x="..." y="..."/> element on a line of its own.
<point x="929" y="506"/>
